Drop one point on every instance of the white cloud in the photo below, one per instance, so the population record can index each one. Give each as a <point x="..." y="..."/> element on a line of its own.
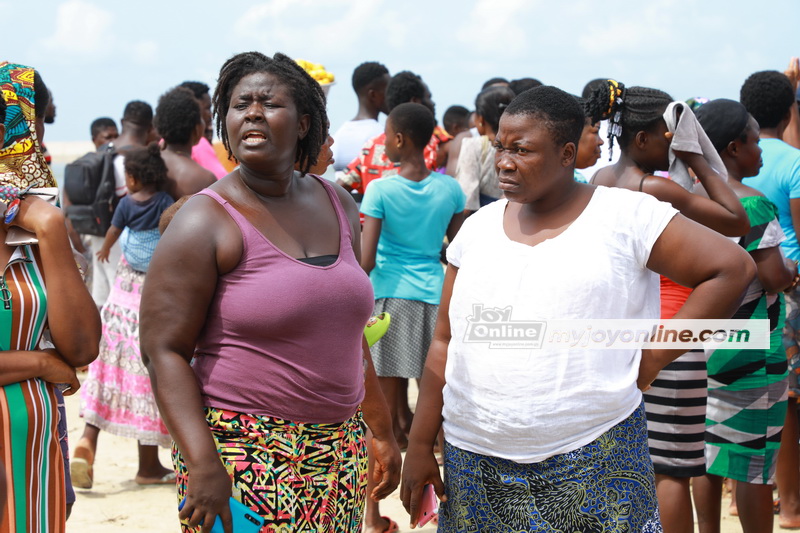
<point x="297" y="26"/>
<point x="491" y="25"/>
<point x="145" y="52"/>
<point x="82" y="29"/>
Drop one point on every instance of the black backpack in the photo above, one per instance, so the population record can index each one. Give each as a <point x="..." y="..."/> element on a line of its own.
<point x="90" y="187"/>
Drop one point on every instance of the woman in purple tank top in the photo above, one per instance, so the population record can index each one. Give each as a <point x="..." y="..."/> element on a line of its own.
<point x="252" y="322"/>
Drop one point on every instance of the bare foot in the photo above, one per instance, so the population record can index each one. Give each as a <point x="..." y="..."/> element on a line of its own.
<point x="383" y="524"/>
<point x="164" y="476"/>
<point x="789" y="521"/>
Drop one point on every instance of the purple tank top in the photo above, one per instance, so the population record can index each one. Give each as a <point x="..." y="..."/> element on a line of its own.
<point x="283" y="338"/>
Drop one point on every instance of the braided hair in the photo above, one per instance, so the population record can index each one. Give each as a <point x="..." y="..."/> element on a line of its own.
<point x="629" y="110"/>
<point x="2" y="112"/>
<point x="306" y="93"/>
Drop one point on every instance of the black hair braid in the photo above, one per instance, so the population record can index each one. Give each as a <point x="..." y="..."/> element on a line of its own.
<point x="306" y="92"/>
<point x="2" y="112"/>
<point x="629" y="110"/>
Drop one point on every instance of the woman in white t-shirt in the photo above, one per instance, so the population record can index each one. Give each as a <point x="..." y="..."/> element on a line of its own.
<point x="546" y="437"/>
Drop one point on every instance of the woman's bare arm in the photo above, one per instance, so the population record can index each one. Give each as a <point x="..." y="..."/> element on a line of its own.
<point x="201" y="242"/>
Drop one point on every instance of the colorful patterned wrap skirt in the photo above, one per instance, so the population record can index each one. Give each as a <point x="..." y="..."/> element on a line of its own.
<point x="607" y="485"/>
<point x="298" y="477"/>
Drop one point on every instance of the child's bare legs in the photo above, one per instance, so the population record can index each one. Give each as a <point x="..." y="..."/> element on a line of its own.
<point x="674" y="504"/>
<point x="707" y="495"/>
<point x="787" y="474"/>
<point x="392" y="388"/>
<point x="733" y="510"/>
<point x="151" y="471"/>
<point x="404" y="414"/>
<point x="87" y="444"/>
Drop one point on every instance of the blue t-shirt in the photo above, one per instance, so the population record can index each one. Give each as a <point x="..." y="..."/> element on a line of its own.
<point x="779" y="180"/>
<point x="139" y="216"/>
<point x="415" y="218"/>
<point x="139" y="220"/>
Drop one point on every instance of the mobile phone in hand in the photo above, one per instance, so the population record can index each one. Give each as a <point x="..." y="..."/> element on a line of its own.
<point x="429" y="506"/>
<point x="244" y="519"/>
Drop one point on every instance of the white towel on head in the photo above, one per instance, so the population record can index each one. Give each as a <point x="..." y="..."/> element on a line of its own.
<point x="688" y="136"/>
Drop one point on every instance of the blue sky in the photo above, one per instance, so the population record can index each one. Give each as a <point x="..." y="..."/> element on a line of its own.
<point x="96" y="56"/>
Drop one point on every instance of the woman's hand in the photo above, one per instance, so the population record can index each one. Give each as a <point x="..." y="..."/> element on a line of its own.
<point x="207" y="496"/>
<point x="55" y="370"/>
<point x="387" y="466"/>
<point x="419" y="469"/>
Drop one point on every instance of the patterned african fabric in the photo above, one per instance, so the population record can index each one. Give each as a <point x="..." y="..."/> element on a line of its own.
<point x="117" y="396"/>
<point x="22" y="162"/>
<point x="29" y="447"/>
<point x="401" y="352"/>
<point x="298" y="477"/>
<point x="606" y="486"/>
<point x="373" y="163"/>
<point x="747" y="389"/>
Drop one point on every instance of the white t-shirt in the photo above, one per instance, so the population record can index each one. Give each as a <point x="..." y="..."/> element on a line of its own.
<point x="350" y="138"/>
<point x="526" y="405"/>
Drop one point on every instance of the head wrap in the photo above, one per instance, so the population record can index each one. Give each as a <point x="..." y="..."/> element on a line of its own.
<point x="22" y="163"/>
<point x="723" y="121"/>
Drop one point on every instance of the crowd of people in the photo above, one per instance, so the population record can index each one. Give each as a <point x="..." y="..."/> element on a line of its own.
<point x="219" y="297"/>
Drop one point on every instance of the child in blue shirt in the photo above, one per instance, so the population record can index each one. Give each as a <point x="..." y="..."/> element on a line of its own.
<point x="407" y="216"/>
<point x="137" y="214"/>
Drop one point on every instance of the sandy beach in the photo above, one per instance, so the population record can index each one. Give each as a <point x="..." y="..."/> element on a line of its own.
<point x="117" y="503"/>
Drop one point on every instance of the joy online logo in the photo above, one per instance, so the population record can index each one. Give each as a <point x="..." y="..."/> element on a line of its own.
<point x="494" y="325"/>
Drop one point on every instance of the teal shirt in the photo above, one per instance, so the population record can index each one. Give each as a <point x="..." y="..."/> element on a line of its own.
<point x="779" y="180"/>
<point x="415" y="217"/>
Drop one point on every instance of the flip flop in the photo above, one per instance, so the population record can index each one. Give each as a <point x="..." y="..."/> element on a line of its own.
<point x="377" y="327"/>
<point x="167" y="479"/>
<point x="80" y="470"/>
<point x="392" y="527"/>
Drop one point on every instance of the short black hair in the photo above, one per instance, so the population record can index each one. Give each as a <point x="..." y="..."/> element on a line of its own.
<point x="177" y="115"/>
<point x="556" y="110"/>
<point x="591" y="86"/>
<point x="768" y="96"/>
<point x="494" y="81"/>
<point x="2" y="112"/>
<point x="631" y="109"/>
<point x="455" y="116"/>
<point x="99" y="124"/>
<point x="138" y="113"/>
<point x="366" y="73"/>
<point x="198" y="88"/>
<point x="491" y="102"/>
<point x="523" y="84"/>
<point x="146" y="165"/>
<point x="306" y="92"/>
<point x="415" y="121"/>
<point x="41" y="95"/>
<point x="403" y="87"/>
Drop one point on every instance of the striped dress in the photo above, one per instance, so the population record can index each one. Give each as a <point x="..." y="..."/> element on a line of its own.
<point x="29" y="449"/>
